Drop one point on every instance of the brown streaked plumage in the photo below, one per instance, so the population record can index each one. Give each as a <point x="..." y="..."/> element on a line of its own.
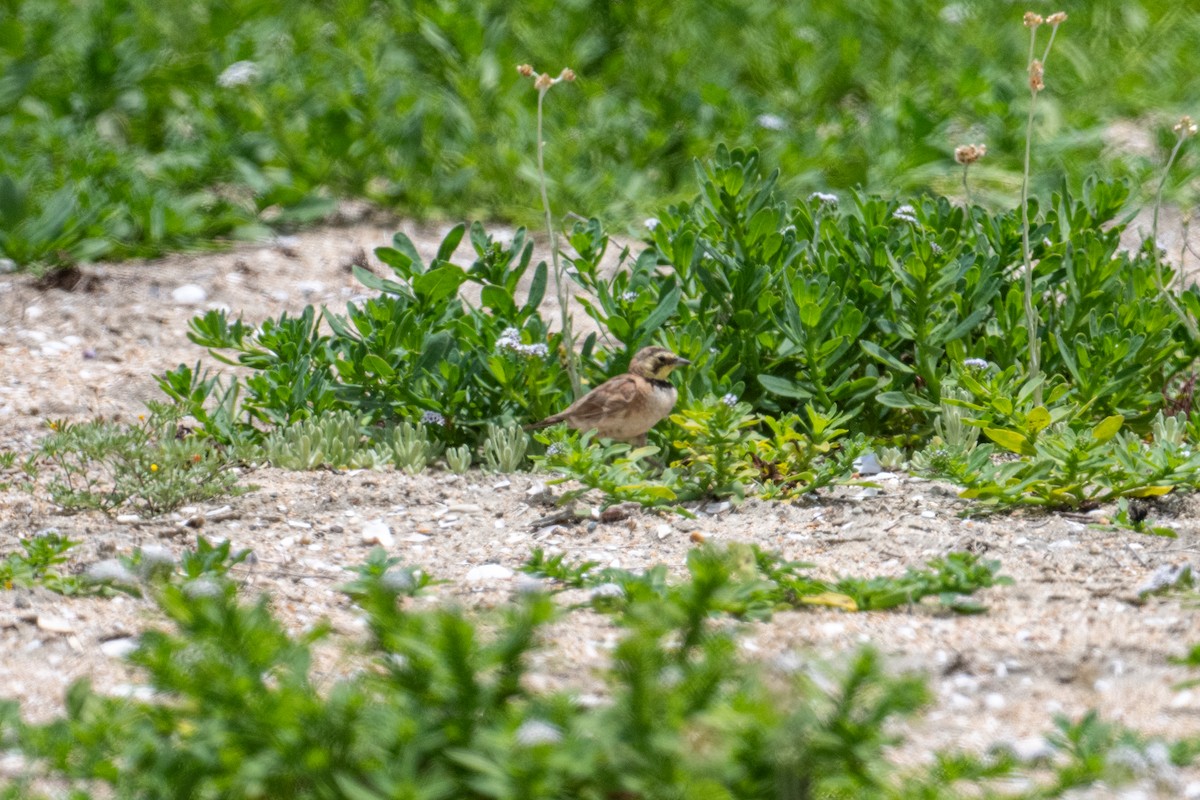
<point x="626" y="407"/>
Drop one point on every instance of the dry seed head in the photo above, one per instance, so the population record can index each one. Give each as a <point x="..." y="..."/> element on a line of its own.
<point x="525" y="70"/>
<point x="1057" y="18"/>
<point x="967" y="154"/>
<point x="1036" y="84"/>
<point x="1185" y="127"/>
<point x="543" y="82"/>
<point x="1032" y="20"/>
<point x="567" y="75"/>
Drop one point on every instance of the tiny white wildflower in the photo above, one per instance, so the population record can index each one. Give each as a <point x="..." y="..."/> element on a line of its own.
<point x="771" y="122"/>
<point x="433" y="418"/>
<point x="540" y="350"/>
<point x="629" y="297"/>
<point x="905" y="213"/>
<point x="975" y="363"/>
<point x="239" y="73"/>
<point x="555" y="449"/>
<point x="533" y="732"/>
<point x="936" y="248"/>
<point x="730" y="400"/>
<point x="651" y="223"/>
<point x="824" y="197"/>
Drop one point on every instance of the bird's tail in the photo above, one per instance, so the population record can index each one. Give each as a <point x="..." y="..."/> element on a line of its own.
<point x="546" y="423"/>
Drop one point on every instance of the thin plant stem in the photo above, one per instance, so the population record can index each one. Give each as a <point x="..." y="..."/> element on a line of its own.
<point x="568" y="337"/>
<point x="967" y="187"/>
<point x="1031" y="317"/>
<point x="1164" y="290"/>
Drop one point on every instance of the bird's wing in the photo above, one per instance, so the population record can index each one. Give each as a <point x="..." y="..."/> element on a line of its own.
<point x="615" y="397"/>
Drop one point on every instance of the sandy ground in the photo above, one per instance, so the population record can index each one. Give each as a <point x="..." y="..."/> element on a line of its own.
<point x="1068" y="636"/>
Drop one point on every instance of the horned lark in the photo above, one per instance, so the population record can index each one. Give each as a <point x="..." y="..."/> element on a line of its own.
<point x="627" y="406"/>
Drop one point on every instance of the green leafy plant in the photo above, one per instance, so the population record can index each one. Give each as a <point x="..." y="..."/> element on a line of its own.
<point x="757" y="582"/>
<point x="615" y="469"/>
<point x="152" y="466"/>
<point x="39" y="565"/>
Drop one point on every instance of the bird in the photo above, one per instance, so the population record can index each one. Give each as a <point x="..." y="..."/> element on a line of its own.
<point x="626" y="407"/>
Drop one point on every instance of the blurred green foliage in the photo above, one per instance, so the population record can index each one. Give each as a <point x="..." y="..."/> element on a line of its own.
<point x="123" y="130"/>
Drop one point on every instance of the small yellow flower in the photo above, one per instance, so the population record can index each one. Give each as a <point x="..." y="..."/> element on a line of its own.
<point x="567" y="75"/>
<point x="525" y="70"/>
<point x="1185" y="127"/>
<point x="1032" y="20"/>
<point x="543" y="82"/>
<point x="154" y="467"/>
<point x="1057" y="18"/>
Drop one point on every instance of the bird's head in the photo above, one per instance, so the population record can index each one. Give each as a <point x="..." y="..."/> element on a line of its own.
<point x="655" y="362"/>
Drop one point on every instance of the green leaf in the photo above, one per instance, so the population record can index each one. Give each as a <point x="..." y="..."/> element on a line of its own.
<point x="1010" y="440"/>
<point x="879" y="354"/>
<point x="1107" y="428"/>
<point x="905" y="400"/>
<point x="498" y="300"/>
<point x="405" y="245"/>
<point x="537" y="288"/>
<point x="450" y="243"/>
<point x="661" y="313"/>
<point x="784" y="387"/>
<point x="375" y="364"/>
<point x="401" y="263"/>
<point x="440" y="283"/>
<point x="1037" y="419"/>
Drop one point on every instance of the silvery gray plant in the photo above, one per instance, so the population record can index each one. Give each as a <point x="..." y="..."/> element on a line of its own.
<point x="409" y="446"/>
<point x="458" y="459"/>
<point x="504" y="448"/>
<point x="335" y="440"/>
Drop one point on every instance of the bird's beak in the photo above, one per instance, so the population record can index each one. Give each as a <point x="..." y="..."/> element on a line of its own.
<point x="680" y="361"/>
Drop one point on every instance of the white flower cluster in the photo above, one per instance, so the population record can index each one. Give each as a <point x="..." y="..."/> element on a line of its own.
<point x="533" y="732"/>
<point x="824" y="197"/>
<point x="730" y="400"/>
<point x="433" y="418"/>
<point x="629" y="297"/>
<point x="239" y="73"/>
<point x="511" y="340"/>
<point x="975" y="363"/>
<point x="905" y="213"/>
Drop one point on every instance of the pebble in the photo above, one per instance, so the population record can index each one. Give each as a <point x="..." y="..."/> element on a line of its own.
<point x="1031" y="749"/>
<point x="118" y="648"/>
<point x="465" y="508"/>
<point x="128" y="519"/>
<point x="53" y="624"/>
<point x="663" y="531"/>
<point x="489" y="572"/>
<point x="718" y="508"/>
<point x="7" y="265"/>
<point x="189" y="294"/>
<point x="867" y="464"/>
<point x="377" y="532"/>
